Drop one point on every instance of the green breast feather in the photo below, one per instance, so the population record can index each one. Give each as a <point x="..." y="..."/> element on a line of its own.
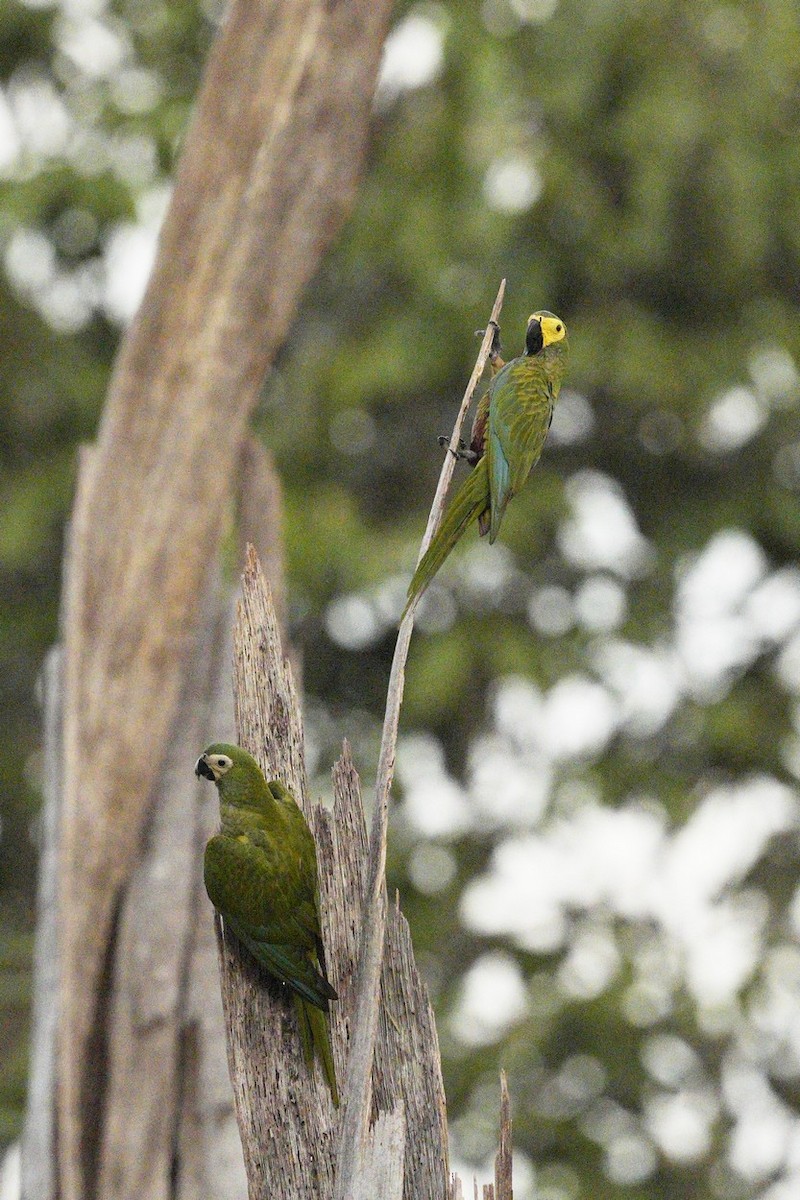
<point x="260" y="873"/>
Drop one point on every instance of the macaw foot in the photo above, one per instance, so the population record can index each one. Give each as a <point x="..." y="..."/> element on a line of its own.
<point x="464" y="452"/>
<point x="461" y="452"/>
<point x="495" y="348"/>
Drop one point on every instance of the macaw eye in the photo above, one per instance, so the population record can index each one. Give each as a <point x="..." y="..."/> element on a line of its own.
<point x="220" y="762"/>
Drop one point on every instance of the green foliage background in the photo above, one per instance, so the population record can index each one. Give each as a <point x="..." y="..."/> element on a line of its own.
<point x="659" y="214"/>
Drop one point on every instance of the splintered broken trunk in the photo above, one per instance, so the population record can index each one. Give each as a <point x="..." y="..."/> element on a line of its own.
<point x="164" y="1022"/>
<point x="290" y="1130"/>
<point x="271" y="1081"/>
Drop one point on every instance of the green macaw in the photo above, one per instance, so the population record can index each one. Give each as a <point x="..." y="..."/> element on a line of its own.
<point x="260" y="873"/>
<point x="508" y="435"/>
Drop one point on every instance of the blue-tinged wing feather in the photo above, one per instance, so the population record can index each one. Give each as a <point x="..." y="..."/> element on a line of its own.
<point x="520" y="411"/>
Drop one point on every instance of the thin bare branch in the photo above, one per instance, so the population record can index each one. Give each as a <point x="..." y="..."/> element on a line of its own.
<point x="357" y="1103"/>
<point x="448" y="466"/>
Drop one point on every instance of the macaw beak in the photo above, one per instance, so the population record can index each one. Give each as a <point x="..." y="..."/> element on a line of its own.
<point x="201" y="768"/>
<point x="534" y="339"/>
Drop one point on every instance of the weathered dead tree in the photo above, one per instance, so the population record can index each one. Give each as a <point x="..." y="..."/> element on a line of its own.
<point x="291" y="1133"/>
<point x="167" y="1118"/>
<point x="128" y="1097"/>
<point x="268" y="172"/>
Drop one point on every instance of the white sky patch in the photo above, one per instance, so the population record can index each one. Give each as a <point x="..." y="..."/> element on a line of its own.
<point x="43" y="124"/>
<point x="722" y="948"/>
<point x="550" y="610"/>
<point x="579" y="718"/>
<point x="774" y="372"/>
<point x="601" y="532"/>
<point x="732" y="420"/>
<point x="719" y="579"/>
<point x="352" y="622"/>
<point x="493" y="997"/>
<point x="435" y="805"/>
<point x="573" y="419"/>
<point x="485" y="574"/>
<point x="520" y="896"/>
<point x="629" y="1156"/>
<point x="624" y="860"/>
<point x="762" y="1135"/>
<point x="645" y="682"/>
<point x="66" y="299"/>
<point x="11" y="1173"/>
<point x="534" y="12"/>
<point x="413" y="55"/>
<point x="67" y="305"/>
<point x="130" y="254"/>
<point x="721" y="935"/>
<point x="629" y="1159"/>
<point x="152" y="205"/>
<point x="601" y="604"/>
<point x="597" y="856"/>
<point x="615" y="853"/>
<point x="84" y="8"/>
<point x="713" y="651"/>
<point x="670" y="1061"/>
<point x="787" y="666"/>
<point x="129" y="257"/>
<point x="133" y="159"/>
<point x="724" y="838"/>
<point x="419" y="754"/>
<point x="658" y="973"/>
<point x="9" y="138"/>
<point x="506" y="787"/>
<point x="591" y="964"/>
<point x="353" y="431"/>
<point x="96" y="50"/>
<point x="136" y="89"/>
<point x="716" y="634"/>
<point x="774" y="1008"/>
<point x="681" y="1123"/>
<point x="431" y="868"/>
<point x="30" y="261"/>
<point x="773" y="607"/>
<point x="512" y="183"/>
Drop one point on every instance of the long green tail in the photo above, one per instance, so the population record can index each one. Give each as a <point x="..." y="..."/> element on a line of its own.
<point x="468" y="504"/>
<point x="314" y="1035"/>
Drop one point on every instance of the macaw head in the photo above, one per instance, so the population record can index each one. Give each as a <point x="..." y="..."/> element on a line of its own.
<point x="215" y="762"/>
<point x="544" y="329"/>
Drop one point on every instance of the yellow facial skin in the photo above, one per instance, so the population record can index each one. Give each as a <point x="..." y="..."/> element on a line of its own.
<point x="553" y="328"/>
